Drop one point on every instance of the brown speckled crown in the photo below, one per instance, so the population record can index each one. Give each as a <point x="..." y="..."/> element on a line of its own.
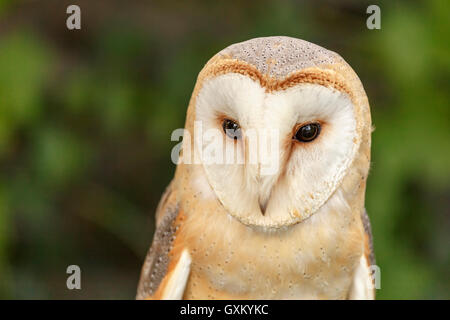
<point x="279" y="56"/>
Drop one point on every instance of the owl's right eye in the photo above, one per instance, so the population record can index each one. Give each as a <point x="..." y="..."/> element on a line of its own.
<point x="232" y="129"/>
<point x="308" y="132"/>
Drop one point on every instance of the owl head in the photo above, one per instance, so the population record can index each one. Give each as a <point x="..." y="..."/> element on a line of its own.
<point x="293" y="121"/>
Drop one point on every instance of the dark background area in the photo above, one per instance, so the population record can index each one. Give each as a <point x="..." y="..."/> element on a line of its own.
<point x="86" y="117"/>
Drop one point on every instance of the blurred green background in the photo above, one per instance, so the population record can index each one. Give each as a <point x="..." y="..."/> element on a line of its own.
<point x="86" y="118"/>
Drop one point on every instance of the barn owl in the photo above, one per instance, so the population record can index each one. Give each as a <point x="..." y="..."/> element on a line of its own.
<point x="296" y="231"/>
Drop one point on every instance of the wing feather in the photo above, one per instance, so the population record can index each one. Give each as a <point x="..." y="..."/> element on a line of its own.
<point x="176" y="283"/>
<point x="362" y="285"/>
<point x="165" y="272"/>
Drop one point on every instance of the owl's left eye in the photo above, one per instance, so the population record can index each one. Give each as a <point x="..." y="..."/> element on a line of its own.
<point x="232" y="129"/>
<point x="308" y="132"/>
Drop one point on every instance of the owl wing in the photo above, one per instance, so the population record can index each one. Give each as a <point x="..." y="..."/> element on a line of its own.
<point x="362" y="286"/>
<point x="167" y="265"/>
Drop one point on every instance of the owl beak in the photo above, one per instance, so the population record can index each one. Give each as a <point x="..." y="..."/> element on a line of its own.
<point x="263" y="207"/>
<point x="263" y="202"/>
<point x="266" y="183"/>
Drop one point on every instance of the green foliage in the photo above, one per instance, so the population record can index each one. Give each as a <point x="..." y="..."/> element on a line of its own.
<point x="410" y="167"/>
<point x="23" y="65"/>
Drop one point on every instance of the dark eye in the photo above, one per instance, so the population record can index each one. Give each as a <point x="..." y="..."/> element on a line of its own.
<point x="308" y="132"/>
<point x="231" y="129"/>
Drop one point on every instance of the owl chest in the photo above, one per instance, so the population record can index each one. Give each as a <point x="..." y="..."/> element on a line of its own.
<point x="299" y="264"/>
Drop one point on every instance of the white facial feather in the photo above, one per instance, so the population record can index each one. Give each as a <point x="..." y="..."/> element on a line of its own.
<point x="305" y="174"/>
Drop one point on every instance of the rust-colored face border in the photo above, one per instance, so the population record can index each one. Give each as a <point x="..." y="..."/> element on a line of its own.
<point x="314" y="75"/>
